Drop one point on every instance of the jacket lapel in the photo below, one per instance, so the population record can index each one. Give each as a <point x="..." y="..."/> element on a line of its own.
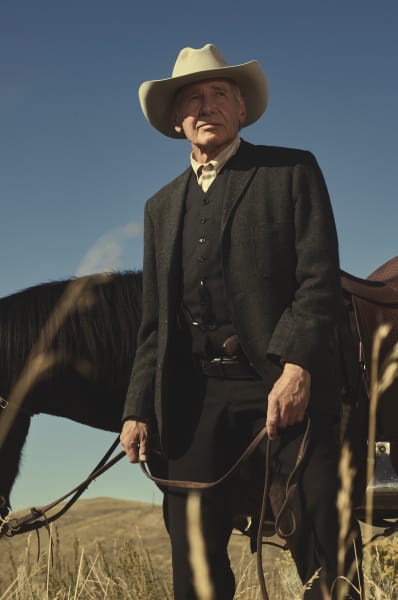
<point x="173" y="224"/>
<point x="241" y="171"/>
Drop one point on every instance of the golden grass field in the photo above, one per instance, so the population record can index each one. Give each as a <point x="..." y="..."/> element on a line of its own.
<point x="116" y="549"/>
<point x="113" y="533"/>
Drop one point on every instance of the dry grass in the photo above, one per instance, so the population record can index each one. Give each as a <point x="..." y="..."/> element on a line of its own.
<point x="126" y="572"/>
<point x="88" y="564"/>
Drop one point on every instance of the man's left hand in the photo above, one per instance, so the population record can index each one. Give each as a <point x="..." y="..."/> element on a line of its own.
<point x="288" y="399"/>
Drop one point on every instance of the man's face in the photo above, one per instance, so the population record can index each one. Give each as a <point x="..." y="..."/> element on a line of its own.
<point x="210" y="114"/>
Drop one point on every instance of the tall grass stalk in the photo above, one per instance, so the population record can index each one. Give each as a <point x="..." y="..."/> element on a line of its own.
<point x="197" y="549"/>
<point x="344" y="508"/>
<point x="49" y="558"/>
<point x="380" y="335"/>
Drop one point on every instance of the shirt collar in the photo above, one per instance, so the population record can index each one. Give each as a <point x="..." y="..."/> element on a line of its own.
<point x="219" y="161"/>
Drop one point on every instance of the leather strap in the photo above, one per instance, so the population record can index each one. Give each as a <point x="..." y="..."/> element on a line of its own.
<point x="37" y="518"/>
<point x="291" y="487"/>
<point x="200" y="485"/>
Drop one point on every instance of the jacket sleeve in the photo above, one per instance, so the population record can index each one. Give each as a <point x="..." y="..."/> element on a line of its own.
<point x="307" y="324"/>
<point x="140" y="393"/>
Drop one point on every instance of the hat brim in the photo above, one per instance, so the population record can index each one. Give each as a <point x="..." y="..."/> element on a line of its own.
<point x="156" y="97"/>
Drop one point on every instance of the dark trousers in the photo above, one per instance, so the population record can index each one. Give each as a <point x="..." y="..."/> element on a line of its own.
<point x="210" y="422"/>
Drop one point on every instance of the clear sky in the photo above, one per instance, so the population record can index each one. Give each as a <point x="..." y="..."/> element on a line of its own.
<point x="78" y="160"/>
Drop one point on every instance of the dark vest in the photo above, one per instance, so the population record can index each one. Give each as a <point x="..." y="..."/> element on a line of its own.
<point x="203" y="293"/>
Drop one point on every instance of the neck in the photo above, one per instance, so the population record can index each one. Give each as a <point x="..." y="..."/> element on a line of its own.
<point x="203" y="154"/>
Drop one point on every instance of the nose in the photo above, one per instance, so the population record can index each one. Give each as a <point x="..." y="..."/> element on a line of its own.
<point x="206" y="105"/>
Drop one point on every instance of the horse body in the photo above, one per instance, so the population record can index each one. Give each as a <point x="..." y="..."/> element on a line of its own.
<point x="93" y="344"/>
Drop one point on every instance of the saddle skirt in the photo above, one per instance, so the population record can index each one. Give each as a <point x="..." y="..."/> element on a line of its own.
<point x="375" y="302"/>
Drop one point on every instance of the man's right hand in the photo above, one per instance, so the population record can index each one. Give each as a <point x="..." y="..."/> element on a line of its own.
<point x="134" y="439"/>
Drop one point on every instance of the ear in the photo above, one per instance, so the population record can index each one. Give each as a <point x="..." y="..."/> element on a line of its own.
<point x="177" y="123"/>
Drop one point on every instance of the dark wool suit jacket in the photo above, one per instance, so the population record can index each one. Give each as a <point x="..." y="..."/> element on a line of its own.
<point x="281" y="271"/>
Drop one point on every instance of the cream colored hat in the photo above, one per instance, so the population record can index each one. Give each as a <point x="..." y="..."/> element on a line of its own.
<point x="156" y="97"/>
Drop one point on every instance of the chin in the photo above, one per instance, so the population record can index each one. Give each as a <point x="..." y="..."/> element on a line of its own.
<point x="209" y="138"/>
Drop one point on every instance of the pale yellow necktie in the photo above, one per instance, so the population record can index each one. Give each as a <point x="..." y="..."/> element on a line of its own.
<point x="206" y="176"/>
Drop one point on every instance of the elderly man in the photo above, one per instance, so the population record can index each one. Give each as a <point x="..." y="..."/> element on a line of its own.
<point x="241" y="286"/>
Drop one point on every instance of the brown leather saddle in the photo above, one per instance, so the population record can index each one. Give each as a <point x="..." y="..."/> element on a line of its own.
<point x="375" y="302"/>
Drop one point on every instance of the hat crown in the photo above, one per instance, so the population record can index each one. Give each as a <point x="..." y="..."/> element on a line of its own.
<point x="194" y="60"/>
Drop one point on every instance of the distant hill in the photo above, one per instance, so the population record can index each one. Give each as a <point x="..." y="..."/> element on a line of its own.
<point x="110" y="522"/>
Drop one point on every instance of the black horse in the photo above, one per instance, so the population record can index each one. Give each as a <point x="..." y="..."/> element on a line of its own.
<point x="78" y="338"/>
<point x="84" y="333"/>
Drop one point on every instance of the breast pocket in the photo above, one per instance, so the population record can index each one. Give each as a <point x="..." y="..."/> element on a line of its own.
<point x="273" y="247"/>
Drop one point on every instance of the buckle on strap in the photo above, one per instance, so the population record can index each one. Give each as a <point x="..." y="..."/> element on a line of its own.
<point x="3" y="402"/>
<point x="227" y="368"/>
<point x="224" y="360"/>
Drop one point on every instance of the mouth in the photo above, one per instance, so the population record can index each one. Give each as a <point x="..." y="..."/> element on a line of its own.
<point x="208" y="125"/>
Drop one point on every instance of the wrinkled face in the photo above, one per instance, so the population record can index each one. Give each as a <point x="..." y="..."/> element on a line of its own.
<point x="210" y="113"/>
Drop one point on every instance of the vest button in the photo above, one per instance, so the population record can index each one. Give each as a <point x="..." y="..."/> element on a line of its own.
<point x="203" y="219"/>
<point x="202" y="240"/>
<point x="201" y="259"/>
<point x="205" y="201"/>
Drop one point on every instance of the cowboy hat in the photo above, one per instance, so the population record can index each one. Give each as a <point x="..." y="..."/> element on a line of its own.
<point x="156" y="97"/>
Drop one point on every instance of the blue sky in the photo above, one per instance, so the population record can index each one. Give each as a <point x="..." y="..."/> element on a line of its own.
<point x="78" y="160"/>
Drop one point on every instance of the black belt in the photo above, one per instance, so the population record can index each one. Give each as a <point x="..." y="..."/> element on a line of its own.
<point x="225" y="367"/>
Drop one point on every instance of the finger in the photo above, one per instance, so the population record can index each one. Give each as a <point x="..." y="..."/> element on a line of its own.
<point x="132" y="451"/>
<point x="272" y="430"/>
<point x="143" y="451"/>
<point x="286" y="418"/>
<point x="272" y="420"/>
<point x="272" y="426"/>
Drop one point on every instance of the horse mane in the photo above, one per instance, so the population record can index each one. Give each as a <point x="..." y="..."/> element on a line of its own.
<point x="100" y="325"/>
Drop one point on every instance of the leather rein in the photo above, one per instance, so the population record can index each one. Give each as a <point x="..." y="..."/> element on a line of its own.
<point x="37" y="518"/>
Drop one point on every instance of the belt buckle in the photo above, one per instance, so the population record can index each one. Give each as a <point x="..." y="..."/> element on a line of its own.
<point x="224" y="360"/>
<point x="217" y="363"/>
<point x="222" y="363"/>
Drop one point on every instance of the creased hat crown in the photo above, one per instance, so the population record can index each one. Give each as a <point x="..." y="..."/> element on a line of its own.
<point x="191" y="60"/>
